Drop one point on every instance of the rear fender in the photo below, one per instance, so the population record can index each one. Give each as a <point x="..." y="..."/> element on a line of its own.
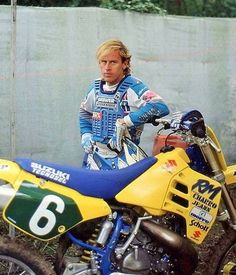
<point x="9" y="171"/>
<point x="44" y="209"/>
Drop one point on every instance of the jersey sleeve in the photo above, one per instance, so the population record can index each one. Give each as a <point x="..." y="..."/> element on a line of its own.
<point x="144" y="104"/>
<point x="86" y="111"/>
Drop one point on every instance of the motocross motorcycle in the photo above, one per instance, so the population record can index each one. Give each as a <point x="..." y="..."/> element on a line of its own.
<point x="146" y="218"/>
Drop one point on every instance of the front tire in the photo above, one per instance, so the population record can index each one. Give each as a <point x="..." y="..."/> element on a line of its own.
<point x="223" y="254"/>
<point x="19" y="258"/>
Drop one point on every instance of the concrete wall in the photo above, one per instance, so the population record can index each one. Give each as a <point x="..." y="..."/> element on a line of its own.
<point x="190" y="61"/>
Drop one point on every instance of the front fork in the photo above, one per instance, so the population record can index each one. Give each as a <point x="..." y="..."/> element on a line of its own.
<point x="208" y="149"/>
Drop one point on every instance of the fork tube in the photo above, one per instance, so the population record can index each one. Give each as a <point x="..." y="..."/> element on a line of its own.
<point x="220" y="177"/>
<point x="229" y="204"/>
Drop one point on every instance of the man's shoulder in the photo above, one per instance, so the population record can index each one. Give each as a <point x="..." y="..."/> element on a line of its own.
<point x="92" y="85"/>
<point x="137" y="85"/>
<point x="135" y="78"/>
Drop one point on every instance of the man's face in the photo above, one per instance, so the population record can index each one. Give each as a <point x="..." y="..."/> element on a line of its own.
<point x="112" y="68"/>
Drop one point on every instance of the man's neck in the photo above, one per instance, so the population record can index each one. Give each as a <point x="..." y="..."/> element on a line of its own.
<point x="109" y="87"/>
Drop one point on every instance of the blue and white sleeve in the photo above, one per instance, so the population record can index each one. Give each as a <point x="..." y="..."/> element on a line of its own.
<point x="144" y="105"/>
<point x="86" y="112"/>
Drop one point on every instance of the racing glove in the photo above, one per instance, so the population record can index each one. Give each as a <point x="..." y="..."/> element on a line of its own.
<point x="87" y="143"/>
<point x="115" y="142"/>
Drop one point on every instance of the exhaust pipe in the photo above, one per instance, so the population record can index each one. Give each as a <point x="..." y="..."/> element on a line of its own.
<point x="181" y="248"/>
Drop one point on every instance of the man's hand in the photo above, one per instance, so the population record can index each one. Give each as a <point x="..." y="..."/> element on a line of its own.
<point x="115" y="141"/>
<point x="87" y="143"/>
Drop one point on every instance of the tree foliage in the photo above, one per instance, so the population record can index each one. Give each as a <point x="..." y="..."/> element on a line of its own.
<point x="144" y="6"/>
<point x="210" y="8"/>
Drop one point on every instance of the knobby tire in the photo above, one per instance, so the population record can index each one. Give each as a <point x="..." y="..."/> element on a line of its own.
<point x="13" y="249"/>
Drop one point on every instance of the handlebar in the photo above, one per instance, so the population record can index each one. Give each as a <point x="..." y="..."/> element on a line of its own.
<point x="164" y="122"/>
<point x="184" y="121"/>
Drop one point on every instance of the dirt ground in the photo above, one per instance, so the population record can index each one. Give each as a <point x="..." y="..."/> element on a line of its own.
<point x="203" y="249"/>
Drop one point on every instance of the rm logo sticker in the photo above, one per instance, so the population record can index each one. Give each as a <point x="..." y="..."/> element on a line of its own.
<point x="203" y="187"/>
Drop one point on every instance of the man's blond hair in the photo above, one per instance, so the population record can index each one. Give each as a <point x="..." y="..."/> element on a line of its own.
<point x="112" y="45"/>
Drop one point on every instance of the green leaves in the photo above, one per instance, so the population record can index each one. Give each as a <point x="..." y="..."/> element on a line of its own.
<point x="208" y="8"/>
<point x="142" y="6"/>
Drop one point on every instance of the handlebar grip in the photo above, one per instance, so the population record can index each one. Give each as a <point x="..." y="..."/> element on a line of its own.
<point x="155" y="122"/>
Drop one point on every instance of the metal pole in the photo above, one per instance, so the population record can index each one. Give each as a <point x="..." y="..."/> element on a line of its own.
<point x="13" y="90"/>
<point x="13" y="72"/>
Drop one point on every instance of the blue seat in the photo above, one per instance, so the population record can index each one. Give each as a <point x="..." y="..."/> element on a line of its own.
<point x="94" y="183"/>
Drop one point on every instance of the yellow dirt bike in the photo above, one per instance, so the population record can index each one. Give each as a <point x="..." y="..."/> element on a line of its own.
<point x="146" y="218"/>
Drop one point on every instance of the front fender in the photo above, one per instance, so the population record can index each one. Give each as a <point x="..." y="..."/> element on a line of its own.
<point x="230" y="174"/>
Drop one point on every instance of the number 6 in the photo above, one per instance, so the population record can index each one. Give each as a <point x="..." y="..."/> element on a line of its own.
<point x="43" y="212"/>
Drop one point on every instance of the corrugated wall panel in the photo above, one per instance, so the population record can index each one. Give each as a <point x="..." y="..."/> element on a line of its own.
<point x="190" y="61"/>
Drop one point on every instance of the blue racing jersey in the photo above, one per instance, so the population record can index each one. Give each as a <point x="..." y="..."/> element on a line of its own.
<point x="130" y="99"/>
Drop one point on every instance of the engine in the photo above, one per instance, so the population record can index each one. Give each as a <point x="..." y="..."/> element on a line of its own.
<point x="147" y="246"/>
<point x="144" y="257"/>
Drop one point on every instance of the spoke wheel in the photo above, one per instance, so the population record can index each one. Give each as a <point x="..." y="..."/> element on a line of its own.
<point x="228" y="263"/>
<point x="18" y="258"/>
<point x="9" y="265"/>
<point x="222" y="256"/>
